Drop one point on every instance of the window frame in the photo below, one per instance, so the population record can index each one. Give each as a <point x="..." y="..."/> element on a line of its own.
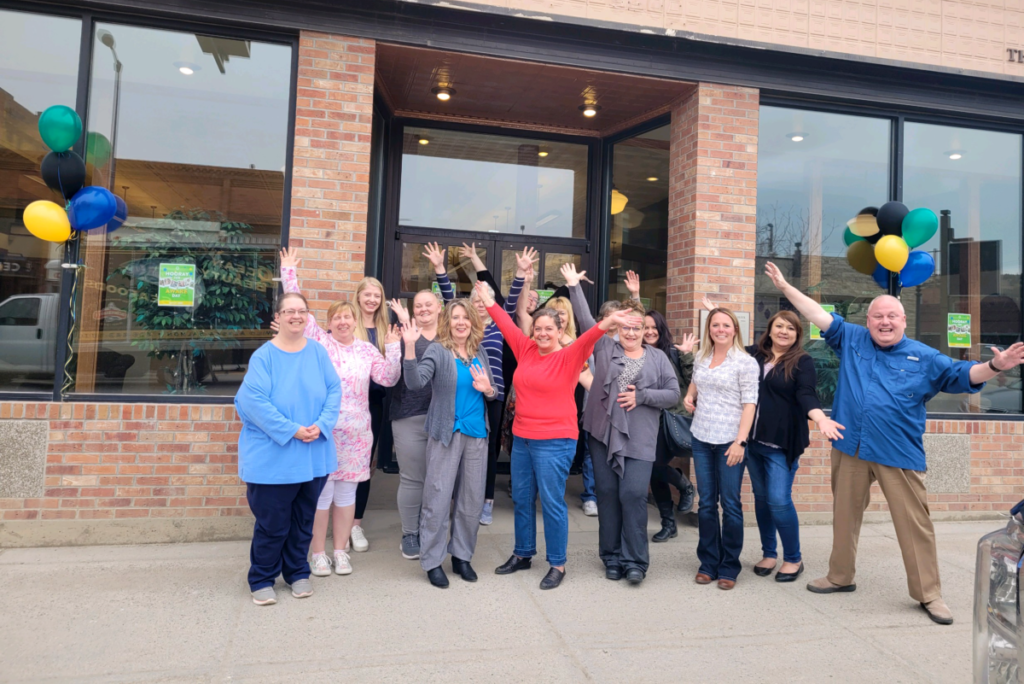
<point x="69" y="273"/>
<point x="898" y="117"/>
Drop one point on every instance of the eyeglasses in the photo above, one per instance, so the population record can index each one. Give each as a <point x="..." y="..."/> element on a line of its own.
<point x="292" y="312"/>
<point x="623" y="328"/>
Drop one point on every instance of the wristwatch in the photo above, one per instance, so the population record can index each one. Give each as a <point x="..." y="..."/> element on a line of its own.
<point x="993" y="367"/>
<point x="743" y="443"/>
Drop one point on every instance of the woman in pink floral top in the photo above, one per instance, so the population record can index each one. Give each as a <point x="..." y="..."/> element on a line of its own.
<point x="357" y="362"/>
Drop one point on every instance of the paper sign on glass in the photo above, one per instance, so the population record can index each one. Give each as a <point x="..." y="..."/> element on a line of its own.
<point x="177" y="285"/>
<point x="815" y="330"/>
<point x="958" y="330"/>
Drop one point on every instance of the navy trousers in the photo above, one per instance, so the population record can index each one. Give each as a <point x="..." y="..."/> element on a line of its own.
<point x="284" y="527"/>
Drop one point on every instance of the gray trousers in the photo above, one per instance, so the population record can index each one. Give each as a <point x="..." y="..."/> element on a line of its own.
<point x="621" y="509"/>
<point x="411" y="451"/>
<point x="459" y="468"/>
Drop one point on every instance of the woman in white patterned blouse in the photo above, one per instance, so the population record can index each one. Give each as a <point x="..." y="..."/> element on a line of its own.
<point x="723" y="398"/>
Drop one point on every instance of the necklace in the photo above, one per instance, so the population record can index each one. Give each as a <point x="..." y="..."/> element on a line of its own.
<point x="468" y="363"/>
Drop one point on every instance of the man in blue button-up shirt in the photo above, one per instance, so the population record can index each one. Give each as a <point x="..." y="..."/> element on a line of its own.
<point x="885" y="380"/>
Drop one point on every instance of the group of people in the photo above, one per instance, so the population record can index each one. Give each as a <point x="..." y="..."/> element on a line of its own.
<point x="559" y="384"/>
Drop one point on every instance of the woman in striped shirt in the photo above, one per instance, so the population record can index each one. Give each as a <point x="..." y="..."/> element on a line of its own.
<point x="492" y="345"/>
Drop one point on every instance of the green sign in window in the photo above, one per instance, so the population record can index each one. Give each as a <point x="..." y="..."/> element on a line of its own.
<point x="958" y="330"/>
<point x="177" y="285"/>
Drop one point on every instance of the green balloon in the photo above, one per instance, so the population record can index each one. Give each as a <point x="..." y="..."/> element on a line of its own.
<point x="849" y="238"/>
<point x="919" y="226"/>
<point x="60" y="128"/>
<point x="97" y="149"/>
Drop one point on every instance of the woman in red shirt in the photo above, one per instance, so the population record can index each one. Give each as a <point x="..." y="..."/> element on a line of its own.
<point x="545" y="429"/>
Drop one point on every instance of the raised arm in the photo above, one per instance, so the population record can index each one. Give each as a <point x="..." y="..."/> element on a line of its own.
<point x="1001" y="362"/>
<point x="435" y="255"/>
<point x="524" y="267"/>
<point x="385" y="370"/>
<point x="290" y="282"/>
<point x="580" y="309"/>
<point x="808" y="308"/>
<point x="417" y="373"/>
<point x="514" y="337"/>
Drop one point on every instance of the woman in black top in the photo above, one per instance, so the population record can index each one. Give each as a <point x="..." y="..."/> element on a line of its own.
<point x="786" y="399"/>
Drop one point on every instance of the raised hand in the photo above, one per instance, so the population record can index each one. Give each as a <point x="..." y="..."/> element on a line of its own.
<point x="525" y="261"/>
<point x="290" y="257"/>
<point x="622" y="318"/>
<point x="708" y="304"/>
<point x="773" y="272"/>
<point x="572" y="277"/>
<point x="633" y="284"/>
<point x="688" y="343"/>
<point x="484" y="293"/>
<point x="481" y="383"/>
<point x="469" y="252"/>
<point x="394" y="335"/>
<point x="1012" y="357"/>
<point x="400" y="311"/>
<point x="410" y="333"/>
<point x="435" y="255"/>
<point x="627" y="399"/>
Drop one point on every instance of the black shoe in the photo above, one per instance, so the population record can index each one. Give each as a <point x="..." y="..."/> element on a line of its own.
<point x="513" y="564"/>
<point x="686" y="500"/>
<point x="463" y="569"/>
<point x="552" y="579"/>
<point x="438" y="578"/>
<point x="789" y="576"/>
<point x="764" y="572"/>
<point x="634" y="576"/>
<point x="613" y="572"/>
<point x="668" y="522"/>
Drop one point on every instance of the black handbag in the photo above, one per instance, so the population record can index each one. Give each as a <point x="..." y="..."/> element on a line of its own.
<point x="677" y="431"/>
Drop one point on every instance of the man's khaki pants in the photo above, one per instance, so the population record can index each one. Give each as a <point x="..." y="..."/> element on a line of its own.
<point x="908" y="504"/>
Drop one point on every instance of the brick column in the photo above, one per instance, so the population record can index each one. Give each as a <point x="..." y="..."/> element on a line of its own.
<point x="712" y="202"/>
<point x="331" y="167"/>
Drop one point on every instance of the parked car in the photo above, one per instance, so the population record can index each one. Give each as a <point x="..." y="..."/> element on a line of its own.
<point x="28" y="334"/>
<point x="998" y="624"/>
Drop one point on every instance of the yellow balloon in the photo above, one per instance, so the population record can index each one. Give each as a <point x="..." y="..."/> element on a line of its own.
<point x="863" y="225"/>
<point x="47" y="221"/>
<point x="861" y="256"/>
<point x="892" y="252"/>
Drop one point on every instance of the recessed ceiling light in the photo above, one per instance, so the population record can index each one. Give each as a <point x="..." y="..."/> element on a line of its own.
<point x="652" y="178"/>
<point x="444" y="93"/>
<point x="956" y="155"/>
<point x="187" y="68"/>
<point x="589" y="110"/>
<point x="542" y="153"/>
<point x="796" y="137"/>
<point x="424" y="141"/>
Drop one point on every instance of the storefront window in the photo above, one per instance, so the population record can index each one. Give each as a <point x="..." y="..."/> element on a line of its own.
<point x="492" y="184"/>
<point x="639" y="228"/>
<point x="815" y="171"/>
<point x="191" y="131"/>
<point x="34" y="75"/>
<point x="972" y="180"/>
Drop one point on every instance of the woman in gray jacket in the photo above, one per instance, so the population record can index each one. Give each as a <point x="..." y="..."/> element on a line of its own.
<point x="456" y="368"/>
<point x="633" y="382"/>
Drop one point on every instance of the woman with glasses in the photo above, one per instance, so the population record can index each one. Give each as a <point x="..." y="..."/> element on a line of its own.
<point x="357" y="364"/>
<point x="288" y="404"/>
<point x="632" y="383"/>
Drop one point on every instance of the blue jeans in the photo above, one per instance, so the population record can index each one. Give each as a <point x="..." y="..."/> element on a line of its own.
<point x="541" y="467"/>
<point x="720" y="543"/>
<point x="588" y="470"/>
<point x="772" y="479"/>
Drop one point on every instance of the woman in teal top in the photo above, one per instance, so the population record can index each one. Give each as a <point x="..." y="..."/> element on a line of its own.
<point x="456" y="368"/>
<point x="288" y="404"/>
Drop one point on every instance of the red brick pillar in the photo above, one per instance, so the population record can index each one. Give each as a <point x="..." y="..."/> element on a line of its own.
<point x="712" y="202"/>
<point x="331" y="167"/>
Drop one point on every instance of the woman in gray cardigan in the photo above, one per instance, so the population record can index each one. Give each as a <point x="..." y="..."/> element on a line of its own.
<point x="633" y="382"/>
<point x="456" y="368"/>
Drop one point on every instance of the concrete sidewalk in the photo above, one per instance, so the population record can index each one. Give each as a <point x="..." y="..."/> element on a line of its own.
<point x="181" y="613"/>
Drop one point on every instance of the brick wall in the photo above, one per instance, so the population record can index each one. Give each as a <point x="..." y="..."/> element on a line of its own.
<point x="331" y="169"/>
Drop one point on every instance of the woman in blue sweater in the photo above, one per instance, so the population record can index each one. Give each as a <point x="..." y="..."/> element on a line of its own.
<point x="288" y="404"/>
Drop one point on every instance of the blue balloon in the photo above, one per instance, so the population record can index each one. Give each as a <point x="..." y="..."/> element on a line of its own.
<point x="881" y="276"/>
<point x="120" y="215"/>
<point x="919" y="268"/>
<point x="92" y="207"/>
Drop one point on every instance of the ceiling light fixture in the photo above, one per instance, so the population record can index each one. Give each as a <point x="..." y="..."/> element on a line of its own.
<point x="443" y="93"/>
<point x="187" y="68"/>
<point x="542" y="152"/>
<point x="424" y="141"/>
<point x="652" y="178"/>
<point x="590" y="110"/>
<point x="797" y="137"/>
<point x="954" y="155"/>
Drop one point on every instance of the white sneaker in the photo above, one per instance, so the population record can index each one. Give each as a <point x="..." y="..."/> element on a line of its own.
<point x="358" y="539"/>
<point x="320" y="565"/>
<point x="342" y="564"/>
<point x="590" y="508"/>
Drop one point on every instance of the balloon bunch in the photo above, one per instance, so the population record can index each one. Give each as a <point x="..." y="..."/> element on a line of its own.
<point x="879" y="241"/>
<point x="85" y="208"/>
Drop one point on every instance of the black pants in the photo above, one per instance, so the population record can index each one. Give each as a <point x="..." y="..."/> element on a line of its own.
<point x="377" y="407"/>
<point x="621" y="510"/>
<point x="284" y="527"/>
<point x="663" y="475"/>
<point x="494" y="413"/>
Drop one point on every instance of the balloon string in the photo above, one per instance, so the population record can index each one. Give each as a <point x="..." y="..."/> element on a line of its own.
<point x="68" y="379"/>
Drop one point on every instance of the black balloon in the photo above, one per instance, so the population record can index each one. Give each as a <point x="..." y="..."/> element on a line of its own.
<point x="890" y="218"/>
<point x="868" y="210"/>
<point x="63" y="172"/>
<point x="872" y="239"/>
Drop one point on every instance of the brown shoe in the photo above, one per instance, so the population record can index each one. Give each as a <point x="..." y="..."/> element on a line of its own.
<point x="726" y="584"/>
<point x="823" y="586"/>
<point x="701" y="578"/>
<point x="938" y="611"/>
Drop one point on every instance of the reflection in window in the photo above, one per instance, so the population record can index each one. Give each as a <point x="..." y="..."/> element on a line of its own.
<point x="492" y="184"/>
<point x="972" y="179"/>
<point x="639" y="232"/>
<point x="816" y="171"/>
<point x="34" y="74"/>
<point x="190" y="130"/>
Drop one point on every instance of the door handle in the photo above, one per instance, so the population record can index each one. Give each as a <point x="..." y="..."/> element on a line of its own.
<point x="39" y="333"/>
